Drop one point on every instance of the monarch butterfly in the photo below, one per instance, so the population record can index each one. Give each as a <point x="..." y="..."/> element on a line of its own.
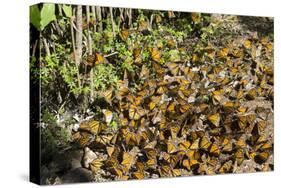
<point x="155" y="55"/>
<point x="252" y="94"/>
<point x="174" y="129"/>
<point x="195" y="144"/>
<point x="112" y="162"/>
<point x="154" y="101"/>
<point x="110" y="150"/>
<point x="171" y="14"/>
<point x="195" y="58"/>
<point x="223" y="53"/>
<point x="190" y="163"/>
<point x="108" y="95"/>
<point x="124" y="34"/>
<point x="184" y="106"/>
<point x="104" y="139"/>
<point x="99" y="59"/>
<point x="260" y="126"/>
<point x="205" y="143"/>
<point x="150" y="153"/>
<point x="151" y="163"/>
<point x="237" y="53"/>
<point x="214" y="119"/>
<point x="225" y="167"/>
<point x="171" y="43"/>
<point x="241" y="143"/>
<point x="164" y="171"/>
<point x="116" y="170"/>
<point x="229" y="106"/>
<point x="138" y="175"/>
<point x="144" y="72"/>
<point x="226" y="145"/>
<point x="264" y="146"/>
<point x="247" y="44"/>
<point x="242" y="121"/>
<point x="174" y="68"/>
<point x="108" y="115"/>
<point x="239" y="156"/>
<point x="135" y="113"/>
<point x="137" y="52"/>
<point x="91" y="126"/>
<point x="128" y="160"/>
<point x="195" y="17"/>
<point x="122" y="92"/>
<point x="184" y="145"/>
<point x="90" y="60"/>
<point x="158" y="69"/>
<point x="83" y="138"/>
<point x="172" y="146"/>
<point x="262" y="157"/>
<point x="215" y="150"/>
<point x="176" y="172"/>
<point x="142" y="25"/>
<point x="171" y="107"/>
<point x="96" y="165"/>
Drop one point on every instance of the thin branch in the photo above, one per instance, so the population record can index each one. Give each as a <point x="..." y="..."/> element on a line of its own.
<point x="46" y="46"/>
<point x="34" y="48"/>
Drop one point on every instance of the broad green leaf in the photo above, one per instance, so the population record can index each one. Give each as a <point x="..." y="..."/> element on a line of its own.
<point x="47" y="15"/>
<point x="34" y="16"/>
<point x="67" y="10"/>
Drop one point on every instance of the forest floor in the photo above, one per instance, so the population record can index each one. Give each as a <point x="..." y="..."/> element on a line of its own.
<point x="82" y="162"/>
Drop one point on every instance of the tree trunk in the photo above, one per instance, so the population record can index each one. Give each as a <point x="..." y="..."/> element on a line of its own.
<point x="79" y="35"/>
<point x="112" y="21"/>
<point x="94" y="18"/>
<point x="77" y="62"/>
<point x="90" y="52"/>
<point x="130" y="18"/>
<point x="99" y="18"/>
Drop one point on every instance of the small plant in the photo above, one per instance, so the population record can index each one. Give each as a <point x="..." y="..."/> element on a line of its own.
<point x="105" y="75"/>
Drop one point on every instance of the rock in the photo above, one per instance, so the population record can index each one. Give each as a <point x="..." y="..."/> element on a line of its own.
<point x="45" y="174"/>
<point x="88" y="157"/>
<point x="77" y="175"/>
<point x="63" y="162"/>
<point x="59" y="164"/>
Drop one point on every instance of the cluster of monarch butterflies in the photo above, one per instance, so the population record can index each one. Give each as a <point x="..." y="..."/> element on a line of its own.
<point x="187" y="117"/>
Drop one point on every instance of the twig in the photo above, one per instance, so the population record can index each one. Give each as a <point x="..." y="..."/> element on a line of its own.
<point x="34" y="48"/>
<point x="114" y="53"/>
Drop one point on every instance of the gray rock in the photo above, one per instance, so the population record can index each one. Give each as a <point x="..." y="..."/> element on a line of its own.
<point x="63" y="162"/>
<point x="78" y="175"/>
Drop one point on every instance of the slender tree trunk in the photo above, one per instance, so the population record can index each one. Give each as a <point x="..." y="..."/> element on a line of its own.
<point x="99" y="18"/>
<point x="112" y="21"/>
<point x="94" y="18"/>
<point x="79" y="35"/>
<point x="90" y="52"/>
<point x="130" y="17"/>
<point x="74" y="51"/>
<point x="121" y="14"/>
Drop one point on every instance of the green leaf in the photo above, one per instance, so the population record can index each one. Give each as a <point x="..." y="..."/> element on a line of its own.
<point x="67" y="10"/>
<point x="47" y="15"/>
<point x="34" y="16"/>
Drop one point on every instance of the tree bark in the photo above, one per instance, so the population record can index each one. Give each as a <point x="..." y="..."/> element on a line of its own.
<point x="99" y="18"/>
<point x="90" y="52"/>
<point x="130" y="18"/>
<point x="112" y="21"/>
<point x="94" y="18"/>
<point x="74" y="50"/>
<point x="79" y="35"/>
